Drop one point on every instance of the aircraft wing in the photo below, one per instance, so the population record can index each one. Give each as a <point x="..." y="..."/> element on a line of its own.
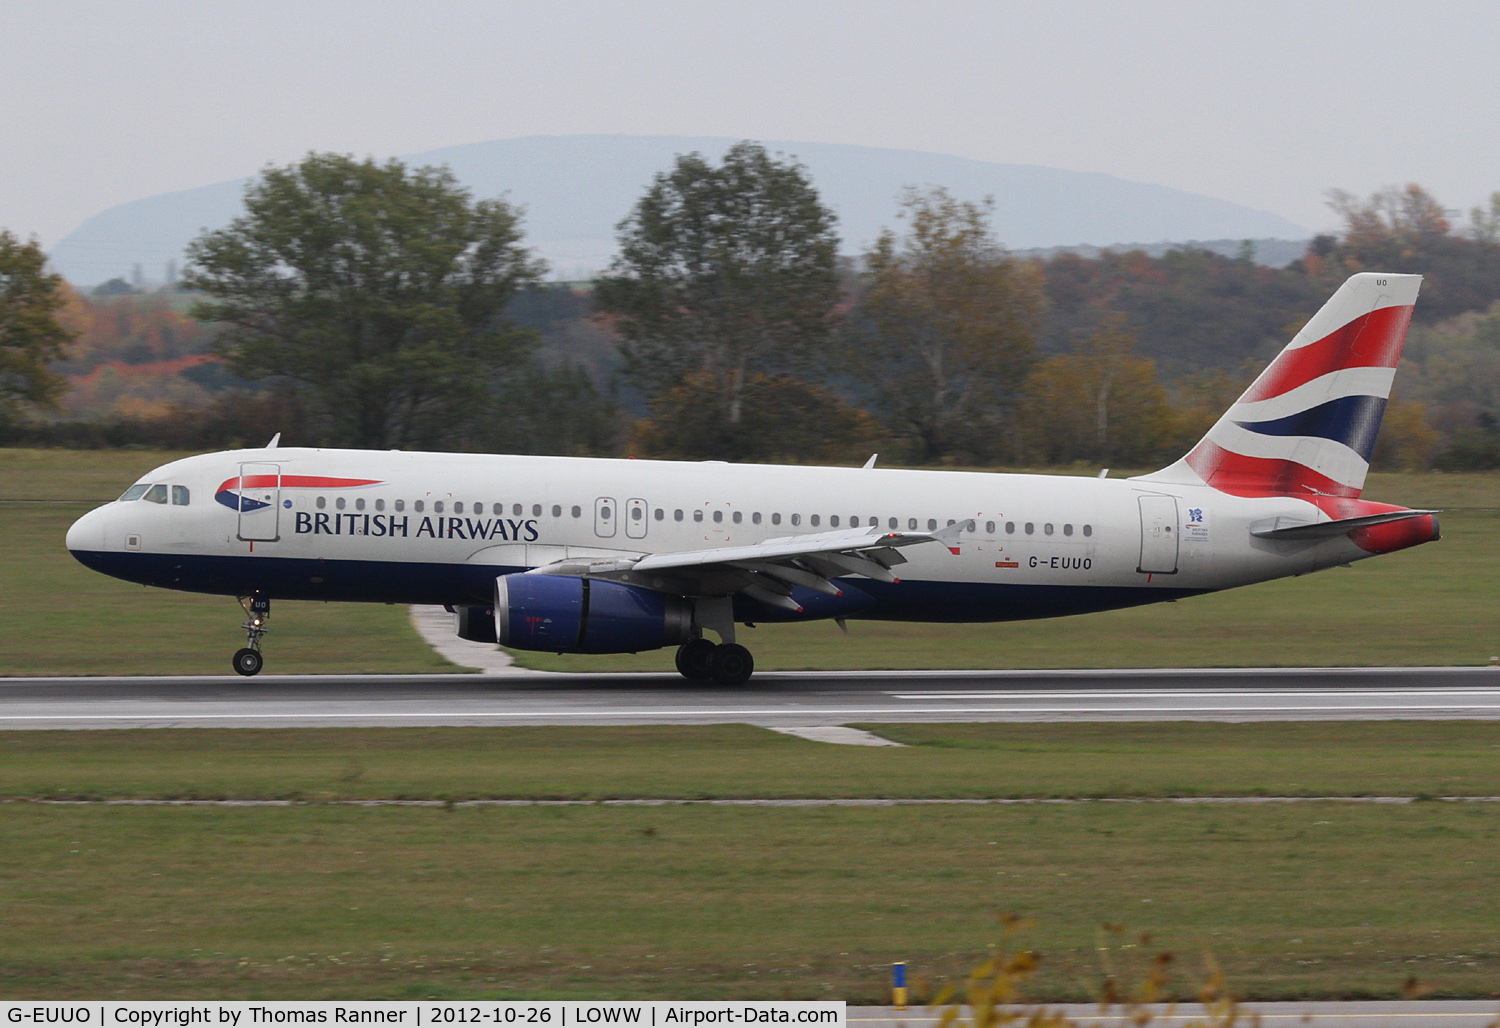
<point x="767" y="571"/>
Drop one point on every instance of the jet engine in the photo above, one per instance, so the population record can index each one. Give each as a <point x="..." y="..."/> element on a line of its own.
<point x="564" y="614"/>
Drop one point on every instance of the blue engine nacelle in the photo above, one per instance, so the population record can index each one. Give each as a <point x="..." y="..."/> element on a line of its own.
<point x="564" y="614"/>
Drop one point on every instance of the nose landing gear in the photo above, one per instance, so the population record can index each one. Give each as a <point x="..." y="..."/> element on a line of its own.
<point x="728" y="664"/>
<point x="247" y="660"/>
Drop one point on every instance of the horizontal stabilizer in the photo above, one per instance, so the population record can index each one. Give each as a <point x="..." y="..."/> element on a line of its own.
<point x="1292" y="528"/>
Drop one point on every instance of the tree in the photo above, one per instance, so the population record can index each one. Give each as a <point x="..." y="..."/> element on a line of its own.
<point x="376" y="291"/>
<point x="943" y="333"/>
<point x="724" y="274"/>
<point x="30" y="335"/>
<point x="1101" y="403"/>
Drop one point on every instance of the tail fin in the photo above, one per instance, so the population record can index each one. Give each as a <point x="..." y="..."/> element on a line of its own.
<point x="1308" y="423"/>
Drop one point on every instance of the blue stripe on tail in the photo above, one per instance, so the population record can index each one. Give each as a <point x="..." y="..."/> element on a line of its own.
<point x="1351" y="420"/>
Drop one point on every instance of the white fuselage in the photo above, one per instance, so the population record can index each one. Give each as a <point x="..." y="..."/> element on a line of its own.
<point x="440" y="527"/>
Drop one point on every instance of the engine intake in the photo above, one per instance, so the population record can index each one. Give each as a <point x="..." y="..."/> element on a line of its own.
<point x="564" y="614"/>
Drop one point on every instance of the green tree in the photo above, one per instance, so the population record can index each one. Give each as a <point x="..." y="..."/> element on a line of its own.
<point x="943" y="332"/>
<point x="30" y="335"/>
<point x="725" y="273"/>
<point x="377" y="291"/>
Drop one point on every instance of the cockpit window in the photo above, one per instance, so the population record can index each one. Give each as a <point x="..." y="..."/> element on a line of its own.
<point x="156" y="494"/>
<point x="180" y="496"/>
<point x="135" y="492"/>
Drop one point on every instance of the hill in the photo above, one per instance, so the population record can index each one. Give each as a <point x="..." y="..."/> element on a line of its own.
<point x="576" y="188"/>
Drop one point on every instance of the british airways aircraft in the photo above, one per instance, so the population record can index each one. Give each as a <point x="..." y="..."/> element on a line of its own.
<point x="610" y="556"/>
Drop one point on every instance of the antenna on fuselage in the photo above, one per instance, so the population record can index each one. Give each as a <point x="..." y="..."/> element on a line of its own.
<point x="871" y="462"/>
<point x="274" y="440"/>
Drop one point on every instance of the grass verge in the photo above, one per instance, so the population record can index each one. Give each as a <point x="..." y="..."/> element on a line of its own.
<point x="1318" y="901"/>
<point x="1433" y="758"/>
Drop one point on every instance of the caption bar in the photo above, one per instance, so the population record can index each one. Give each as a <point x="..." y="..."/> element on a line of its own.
<point x="543" y="1014"/>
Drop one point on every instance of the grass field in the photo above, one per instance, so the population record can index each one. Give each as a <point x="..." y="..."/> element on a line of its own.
<point x="1318" y="899"/>
<point x="1436" y="758"/>
<point x="1436" y="604"/>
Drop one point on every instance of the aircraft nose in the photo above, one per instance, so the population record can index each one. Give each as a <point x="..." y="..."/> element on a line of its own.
<point x="87" y="533"/>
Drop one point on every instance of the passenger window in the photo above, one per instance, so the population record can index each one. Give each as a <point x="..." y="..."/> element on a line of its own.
<point x="950" y="523"/>
<point x="697" y="515"/>
<point x="400" y="504"/>
<point x="932" y="524"/>
<point x="796" y="519"/>
<point x="1047" y="528"/>
<point x="1067" y="530"/>
<point x="417" y="506"/>
<point x="1088" y="529"/>
<point x="755" y="518"/>
<point x="578" y="512"/>
<point x="359" y="504"/>
<point x="1010" y="528"/>
<point x="516" y="509"/>
<point x="1030" y="528"/>
<point x="677" y="515"/>
<point x="557" y="510"/>
<point x="989" y="528"/>
<point x="660" y="514"/>
<point x="458" y="507"/>
<point x="833" y="521"/>
<point x="894" y="523"/>
<point x="718" y="517"/>
<point x="813" y="520"/>
<point x="380" y="505"/>
<point x="604" y="513"/>
<point x="775" y="519"/>
<point x="635" y="513"/>
<point x="478" y="508"/>
<point x="536" y="510"/>
<point x="135" y="492"/>
<point x="180" y="496"/>
<point x="911" y="522"/>
<point x="737" y="517"/>
<point x="437" y="506"/>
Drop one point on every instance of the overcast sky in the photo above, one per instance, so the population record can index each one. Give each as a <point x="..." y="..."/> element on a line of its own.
<point x="1266" y="104"/>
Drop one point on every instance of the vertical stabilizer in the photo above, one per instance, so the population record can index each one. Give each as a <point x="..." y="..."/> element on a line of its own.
<point x="1307" y="425"/>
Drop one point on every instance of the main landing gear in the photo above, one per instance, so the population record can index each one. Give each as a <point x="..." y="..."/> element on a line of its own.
<point x="247" y="660"/>
<point x="728" y="664"/>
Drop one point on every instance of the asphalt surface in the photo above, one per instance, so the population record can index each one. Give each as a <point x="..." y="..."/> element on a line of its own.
<point x="1361" y="1014"/>
<point x="774" y="699"/>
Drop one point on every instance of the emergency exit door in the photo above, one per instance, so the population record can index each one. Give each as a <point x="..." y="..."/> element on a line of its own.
<point x="1159" y="532"/>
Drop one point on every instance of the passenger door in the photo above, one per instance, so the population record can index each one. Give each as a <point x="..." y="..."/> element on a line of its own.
<point x="260" y="502"/>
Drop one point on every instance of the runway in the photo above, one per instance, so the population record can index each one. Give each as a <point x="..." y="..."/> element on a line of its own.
<point x="773" y="699"/>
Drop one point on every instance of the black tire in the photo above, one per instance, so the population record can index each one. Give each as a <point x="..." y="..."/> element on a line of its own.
<point x="731" y="664"/>
<point x="693" y="660"/>
<point x="247" y="661"/>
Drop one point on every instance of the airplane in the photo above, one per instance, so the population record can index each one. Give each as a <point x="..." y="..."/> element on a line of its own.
<point x="585" y="555"/>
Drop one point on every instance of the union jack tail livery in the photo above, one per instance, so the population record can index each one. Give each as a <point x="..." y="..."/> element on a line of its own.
<point x="1306" y="427"/>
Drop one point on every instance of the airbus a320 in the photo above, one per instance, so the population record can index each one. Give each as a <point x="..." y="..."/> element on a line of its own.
<point x="577" y="555"/>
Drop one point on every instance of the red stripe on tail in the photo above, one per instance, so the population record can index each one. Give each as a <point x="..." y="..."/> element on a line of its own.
<point x="1370" y="341"/>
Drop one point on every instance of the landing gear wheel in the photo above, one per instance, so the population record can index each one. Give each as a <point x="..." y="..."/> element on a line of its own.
<point x="731" y="664"/>
<point x="247" y="661"/>
<point x="693" y="660"/>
